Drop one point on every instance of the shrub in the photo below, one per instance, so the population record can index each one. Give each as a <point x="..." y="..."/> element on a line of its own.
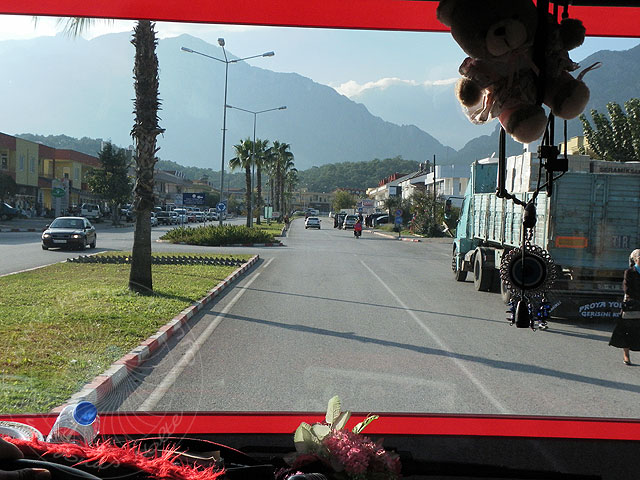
<point x="216" y="235"/>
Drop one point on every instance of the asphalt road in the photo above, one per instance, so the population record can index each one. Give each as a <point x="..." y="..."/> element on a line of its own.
<point x="383" y="324"/>
<point x="22" y="250"/>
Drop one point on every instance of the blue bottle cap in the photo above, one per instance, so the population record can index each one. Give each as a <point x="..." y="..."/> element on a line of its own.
<point x="85" y="413"/>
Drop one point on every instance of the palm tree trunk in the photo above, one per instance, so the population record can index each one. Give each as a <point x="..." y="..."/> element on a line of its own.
<point x="145" y="130"/>
<point x="247" y="177"/>
<point x="278" y="205"/>
<point x="271" y="194"/>
<point x="259" y="186"/>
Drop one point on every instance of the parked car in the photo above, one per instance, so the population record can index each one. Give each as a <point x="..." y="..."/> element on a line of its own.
<point x="154" y="219"/>
<point x="91" y="211"/>
<point x="7" y="212"/>
<point x="71" y="232"/>
<point x="349" y="221"/>
<point x="339" y="220"/>
<point x="312" y="222"/>
<point x="200" y="216"/>
<point x="212" y="214"/>
<point x="381" y="218"/>
<point x="164" y="218"/>
<point x="181" y="216"/>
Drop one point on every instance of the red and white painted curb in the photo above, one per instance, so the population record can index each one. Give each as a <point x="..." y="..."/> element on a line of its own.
<point x="103" y="384"/>
<point x="395" y="237"/>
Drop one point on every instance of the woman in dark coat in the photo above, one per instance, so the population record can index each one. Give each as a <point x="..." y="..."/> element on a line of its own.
<point x="626" y="334"/>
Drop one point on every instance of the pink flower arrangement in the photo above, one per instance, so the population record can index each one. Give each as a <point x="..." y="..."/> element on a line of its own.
<point x="346" y="453"/>
<point x="359" y="456"/>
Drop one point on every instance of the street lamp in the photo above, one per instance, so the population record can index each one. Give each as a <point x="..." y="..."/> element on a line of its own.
<point x="226" y="62"/>
<point x="253" y="153"/>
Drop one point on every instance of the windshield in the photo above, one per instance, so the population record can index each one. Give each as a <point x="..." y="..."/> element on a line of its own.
<point x="407" y="317"/>
<point x="67" y="223"/>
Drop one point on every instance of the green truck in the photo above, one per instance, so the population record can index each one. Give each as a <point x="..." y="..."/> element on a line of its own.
<point x="589" y="225"/>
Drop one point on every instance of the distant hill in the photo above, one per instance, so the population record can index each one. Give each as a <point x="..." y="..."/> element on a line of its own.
<point x="353" y="174"/>
<point x="90" y="146"/>
<point x="321" y="125"/>
<point x="317" y="179"/>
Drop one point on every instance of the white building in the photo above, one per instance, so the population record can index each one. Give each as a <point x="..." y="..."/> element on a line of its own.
<point x="450" y="181"/>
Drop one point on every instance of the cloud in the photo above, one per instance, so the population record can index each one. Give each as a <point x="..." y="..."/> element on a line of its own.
<point x="353" y="89"/>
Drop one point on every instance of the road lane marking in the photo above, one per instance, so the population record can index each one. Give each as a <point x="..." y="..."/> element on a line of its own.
<point x="153" y="399"/>
<point x="484" y="390"/>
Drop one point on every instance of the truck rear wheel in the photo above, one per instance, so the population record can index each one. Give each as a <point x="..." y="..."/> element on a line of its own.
<point x="459" y="275"/>
<point x="482" y="276"/>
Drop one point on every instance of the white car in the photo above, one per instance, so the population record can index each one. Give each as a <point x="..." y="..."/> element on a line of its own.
<point x="312" y="222"/>
<point x="154" y="219"/>
<point x="181" y="216"/>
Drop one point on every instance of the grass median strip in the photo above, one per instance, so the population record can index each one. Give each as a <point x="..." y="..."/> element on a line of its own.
<point x="66" y="323"/>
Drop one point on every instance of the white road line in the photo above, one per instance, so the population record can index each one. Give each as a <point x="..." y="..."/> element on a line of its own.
<point x="484" y="390"/>
<point x="153" y="399"/>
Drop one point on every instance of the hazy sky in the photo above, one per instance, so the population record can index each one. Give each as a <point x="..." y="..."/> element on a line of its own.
<point x="344" y="59"/>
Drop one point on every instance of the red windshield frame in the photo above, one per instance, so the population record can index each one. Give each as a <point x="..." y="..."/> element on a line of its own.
<point x="408" y="15"/>
<point x="196" y="423"/>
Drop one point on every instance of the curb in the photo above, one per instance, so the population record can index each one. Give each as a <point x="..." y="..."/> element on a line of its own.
<point x="105" y="383"/>
<point x="277" y="244"/>
<point x="394" y="237"/>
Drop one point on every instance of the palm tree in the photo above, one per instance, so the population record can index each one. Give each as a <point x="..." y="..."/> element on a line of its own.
<point x="291" y="180"/>
<point x="144" y="133"/>
<point x="269" y="165"/>
<point x="283" y="164"/>
<point x="243" y="160"/>
<point x="259" y="160"/>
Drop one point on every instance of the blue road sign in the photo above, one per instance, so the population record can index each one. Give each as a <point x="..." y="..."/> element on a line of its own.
<point x="221" y="207"/>
<point x="193" y="198"/>
<point x="399" y="212"/>
<point x="398" y="220"/>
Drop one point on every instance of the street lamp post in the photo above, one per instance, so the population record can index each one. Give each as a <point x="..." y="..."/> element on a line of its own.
<point x="226" y="62"/>
<point x="253" y="153"/>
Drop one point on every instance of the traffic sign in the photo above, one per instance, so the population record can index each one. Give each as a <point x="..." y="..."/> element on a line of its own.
<point x="398" y="220"/>
<point x="221" y="207"/>
<point x="399" y="212"/>
<point x="57" y="192"/>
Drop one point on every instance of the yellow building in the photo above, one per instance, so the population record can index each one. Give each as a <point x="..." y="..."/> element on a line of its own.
<point x="576" y="145"/>
<point x="35" y="168"/>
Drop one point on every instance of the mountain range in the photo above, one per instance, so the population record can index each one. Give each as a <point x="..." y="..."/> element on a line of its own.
<point x="54" y="85"/>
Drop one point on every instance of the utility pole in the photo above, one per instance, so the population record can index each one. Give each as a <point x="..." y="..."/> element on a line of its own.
<point x="434" y="188"/>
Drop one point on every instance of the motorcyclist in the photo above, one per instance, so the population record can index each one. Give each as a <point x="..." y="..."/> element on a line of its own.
<point x="357" y="228"/>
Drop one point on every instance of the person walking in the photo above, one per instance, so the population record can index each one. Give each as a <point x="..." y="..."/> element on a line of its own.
<point x="626" y="334"/>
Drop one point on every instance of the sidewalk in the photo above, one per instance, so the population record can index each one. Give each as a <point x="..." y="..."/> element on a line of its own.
<point x="394" y="236"/>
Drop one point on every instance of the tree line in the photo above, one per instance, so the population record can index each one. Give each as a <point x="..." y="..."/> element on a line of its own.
<point x="277" y="162"/>
<point x="617" y="137"/>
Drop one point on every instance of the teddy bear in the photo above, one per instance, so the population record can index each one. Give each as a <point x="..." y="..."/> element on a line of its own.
<point x="500" y="78"/>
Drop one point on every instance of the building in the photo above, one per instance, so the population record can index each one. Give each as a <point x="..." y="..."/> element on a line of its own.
<point x="450" y="182"/>
<point x="578" y="146"/>
<point x="47" y="179"/>
<point x="303" y="199"/>
<point x="387" y="187"/>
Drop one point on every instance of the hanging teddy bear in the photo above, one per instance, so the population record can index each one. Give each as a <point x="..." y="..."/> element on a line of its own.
<point x="500" y="78"/>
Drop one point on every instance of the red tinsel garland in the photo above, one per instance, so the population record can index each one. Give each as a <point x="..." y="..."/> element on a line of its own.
<point x="158" y="464"/>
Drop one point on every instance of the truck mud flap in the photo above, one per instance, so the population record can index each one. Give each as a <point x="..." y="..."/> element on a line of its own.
<point x="585" y="306"/>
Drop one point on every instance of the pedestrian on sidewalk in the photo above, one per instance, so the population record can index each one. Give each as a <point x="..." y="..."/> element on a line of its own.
<point x="626" y="334"/>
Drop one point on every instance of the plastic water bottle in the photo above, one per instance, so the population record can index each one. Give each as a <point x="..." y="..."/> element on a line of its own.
<point x="78" y="423"/>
